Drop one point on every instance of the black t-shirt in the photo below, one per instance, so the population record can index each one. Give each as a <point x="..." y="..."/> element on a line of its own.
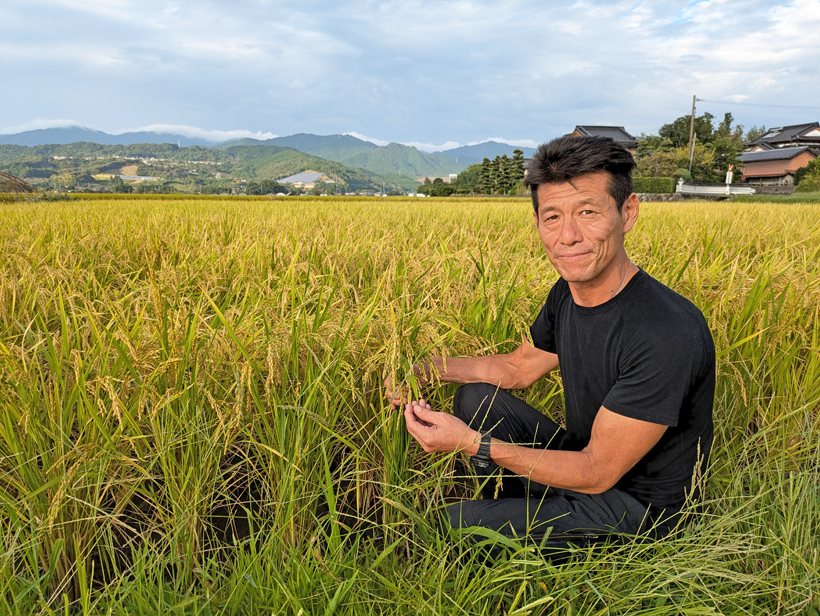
<point x="647" y="354"/>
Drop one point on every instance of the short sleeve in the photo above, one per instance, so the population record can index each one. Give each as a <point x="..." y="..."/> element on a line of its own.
<point x="542" y="330"/>
<point x="654" y="379"/>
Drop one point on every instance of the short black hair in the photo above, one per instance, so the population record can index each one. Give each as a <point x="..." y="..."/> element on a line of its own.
<point x="566" y="158"/>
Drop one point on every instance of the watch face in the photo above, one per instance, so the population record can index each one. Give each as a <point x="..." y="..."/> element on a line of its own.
<point x="480" y="463"/>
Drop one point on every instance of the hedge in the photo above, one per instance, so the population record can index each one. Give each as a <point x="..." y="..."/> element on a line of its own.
<point x="653" y="185"/>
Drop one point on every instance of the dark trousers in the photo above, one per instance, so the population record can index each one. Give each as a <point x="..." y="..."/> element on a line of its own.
<point x="517" y="507"/>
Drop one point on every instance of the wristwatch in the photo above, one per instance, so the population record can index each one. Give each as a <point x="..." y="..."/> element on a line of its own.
<point x="482" y="458"/>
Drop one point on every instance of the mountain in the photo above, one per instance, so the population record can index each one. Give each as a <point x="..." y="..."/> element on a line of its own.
<point x="471" y="154"/>
<point x="75" y="134"/>
<point x="276" y="162"/>
<point x="330" y="147"/>
<point x="393" y="159"/>
<point x="184" y="167"/>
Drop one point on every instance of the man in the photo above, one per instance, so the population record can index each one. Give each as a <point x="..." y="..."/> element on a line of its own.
<point x="637" y="363"/>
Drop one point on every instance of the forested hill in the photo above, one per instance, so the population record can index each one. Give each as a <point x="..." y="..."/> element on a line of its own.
<point x="74" y="134"/>
<point x="393" y="159"/>
<point x="184" y="165"/>
<point x="330" y="147"/>
<point x="473" y="154"/>
<point x="169" y="151"/>
<point x="264" y="161"/>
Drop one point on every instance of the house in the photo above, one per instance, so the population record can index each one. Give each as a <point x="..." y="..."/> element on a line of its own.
<point x="775" y="165"/>
<point x="774" y="156"/>
<point x="787" y="137"/>
<point x="616" y="133"/>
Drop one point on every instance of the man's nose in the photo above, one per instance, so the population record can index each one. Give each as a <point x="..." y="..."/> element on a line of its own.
<point x="570" y="231"/>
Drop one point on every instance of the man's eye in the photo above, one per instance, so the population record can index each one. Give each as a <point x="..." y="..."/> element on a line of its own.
<point x="587" y="212"/>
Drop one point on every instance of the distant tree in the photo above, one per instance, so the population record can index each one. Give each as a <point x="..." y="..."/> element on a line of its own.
<point x="468" y="181"/>
<point x="659" y="163"/>
<point x="487" y="179"/>
<point x="271" y="187"/>
<point x="678" y="131"/>
<point x="518" y="165"/>
<point x="754" y="132"/>
<point x="666" y="154"/>
<point x="63" y="180"/>
<point x="116" y="185"/>
<point x="322" y="188"/>
<point x="425" y="187"/>
<point x="504" y="175"/>
<point x="649" y="144"/>
<point x="439" y="188"/>
<point x="727" y="146"/>
<point x="153" y="188"/>
<point x="252" y="188"/>
<point x="143" y="169"/>
<point x="675" y="164"/>
<point x="807" y="178"/>
<point x="264" y="187"/>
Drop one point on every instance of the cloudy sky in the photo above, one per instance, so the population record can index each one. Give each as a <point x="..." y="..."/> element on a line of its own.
<point x="423" y="72"/>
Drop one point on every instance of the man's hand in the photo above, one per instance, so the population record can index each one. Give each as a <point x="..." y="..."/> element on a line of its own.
<point x="401" y="394"/>
<point x="439" y="431"/>
<point x="397" y="395"/>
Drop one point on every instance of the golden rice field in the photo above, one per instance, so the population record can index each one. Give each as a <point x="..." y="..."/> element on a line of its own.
<point x="191" y="419"/>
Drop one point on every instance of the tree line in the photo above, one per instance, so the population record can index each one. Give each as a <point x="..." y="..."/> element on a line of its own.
<point x="501" y="176"/>
<point x="664" y="155"/>
<point x="717" y="146"/>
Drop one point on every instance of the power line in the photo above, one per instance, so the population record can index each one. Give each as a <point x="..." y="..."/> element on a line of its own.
<point x="703" y="100"/>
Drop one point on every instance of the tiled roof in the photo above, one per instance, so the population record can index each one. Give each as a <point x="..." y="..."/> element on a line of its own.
<point x="778" y="154"/>
<point x="304" y="177"/>
<point x="616" y="133"/>
<point x="785" y="134"/>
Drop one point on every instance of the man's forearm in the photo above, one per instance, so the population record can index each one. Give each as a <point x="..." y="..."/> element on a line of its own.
<point x="616" y="444"/>
<point x="494" y="369"/>
<point x="570" y="470"/>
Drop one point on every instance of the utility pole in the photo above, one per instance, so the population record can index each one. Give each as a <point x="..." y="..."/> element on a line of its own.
<point x="692" y="134"/>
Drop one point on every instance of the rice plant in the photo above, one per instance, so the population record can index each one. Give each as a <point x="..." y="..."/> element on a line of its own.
<point x="192" y="420"/>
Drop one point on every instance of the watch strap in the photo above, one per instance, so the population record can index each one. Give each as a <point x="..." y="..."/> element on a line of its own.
<point x="482" y="458"/>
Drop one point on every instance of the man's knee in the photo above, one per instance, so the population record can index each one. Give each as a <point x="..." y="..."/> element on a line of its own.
<point x="458" y="515"/>
<point x="473" y="401"/>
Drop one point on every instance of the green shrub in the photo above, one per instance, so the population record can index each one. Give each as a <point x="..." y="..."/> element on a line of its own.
<point x="807" y="178"/>
<point x="809" y="183"/>
<point x="653" y="185"/>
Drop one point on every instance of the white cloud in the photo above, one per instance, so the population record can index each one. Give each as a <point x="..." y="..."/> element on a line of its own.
<point x="37" y="124"/>
<point x="432" y="147"/>
<point x="195" y="132"/>
<point x="379" y="142"/>
<point x="522" y="143"/>
<point x="451" y="145"/>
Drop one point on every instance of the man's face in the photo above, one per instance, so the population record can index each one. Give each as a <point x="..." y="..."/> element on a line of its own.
<point x="582" y="230"/>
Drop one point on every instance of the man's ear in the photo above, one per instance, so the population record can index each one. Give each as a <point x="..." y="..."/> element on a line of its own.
<point x="535" y="216"/>
<point x="629" y="212"/>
